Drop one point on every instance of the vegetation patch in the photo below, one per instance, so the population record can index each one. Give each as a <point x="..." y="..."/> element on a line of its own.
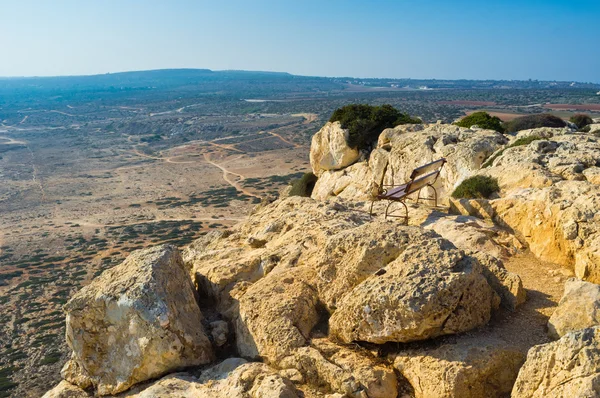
<point x="581" y="120"/>
<point x="519" y="142"/>
<point x="476" y="187"/>
<point x="365" y="122"/>
<point x="534" y="122"/>
<point x="482" y="120"/>
<point x="304" y="185"/>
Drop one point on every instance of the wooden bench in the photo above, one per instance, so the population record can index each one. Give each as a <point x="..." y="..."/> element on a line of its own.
<point x="421" y="177"/>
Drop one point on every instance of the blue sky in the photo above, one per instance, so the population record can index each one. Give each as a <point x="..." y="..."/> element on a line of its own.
<point x="510" y="39"/>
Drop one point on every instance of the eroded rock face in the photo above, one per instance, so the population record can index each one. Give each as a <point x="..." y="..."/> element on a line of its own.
<point x="569" y="367"/>
<point x="470" y="368"/>
<point x="431" y="289"/>
<point x="549" y="199"/>
<point x="329" y="149"/>
<point x="137" y="321"/>
<point x="560" y="223"/>
<point x="402" y="149"/>
<point x="579" y="308"/>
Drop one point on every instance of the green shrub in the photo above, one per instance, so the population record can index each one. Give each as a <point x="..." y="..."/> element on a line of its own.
<point x="596" y="133"/>
<point x="533" y="122"/>
<point x="365" y="122"/>
<point x="518" y="142"/>
<point x="304" y="185"/>
<point x="477" y="187"/>
<point x="581" y="120"/>
<point x="483" y="120"/>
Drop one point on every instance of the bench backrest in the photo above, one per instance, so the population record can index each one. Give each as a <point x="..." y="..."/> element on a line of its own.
<point x="427" y="168"/>
<point x="421" y="182"/>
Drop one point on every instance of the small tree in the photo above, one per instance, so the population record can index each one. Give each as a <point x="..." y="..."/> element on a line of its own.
<point x="476" y="187"/>
<point x="483" y="120"/>
<point x="304" y="185"/>
<point x="534" y="122"/>
<point x="581" y="120"/>
<point x="365" y="122"/>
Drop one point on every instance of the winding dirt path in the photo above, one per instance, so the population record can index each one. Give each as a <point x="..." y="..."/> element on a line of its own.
<point x="527" y="326"/>
<point x="226" y="172"/>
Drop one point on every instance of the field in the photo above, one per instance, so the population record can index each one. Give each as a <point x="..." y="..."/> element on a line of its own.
<point x="92" y="168"/>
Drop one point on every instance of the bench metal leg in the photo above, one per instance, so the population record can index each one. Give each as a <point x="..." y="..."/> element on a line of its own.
<point x="405" y="210"/>
<point x="371" y="209"/>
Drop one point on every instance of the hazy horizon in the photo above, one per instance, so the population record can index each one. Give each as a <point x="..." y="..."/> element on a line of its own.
<point x="497" y="40"/>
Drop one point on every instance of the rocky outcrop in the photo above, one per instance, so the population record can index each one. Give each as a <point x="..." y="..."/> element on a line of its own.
<point x="406" y="147"/>
<point x="469" y="368"/>
<point x="137" y="321"/>
<point x="569" y="367"/>
<point x="548" y="201"/>
<point x="431" y="289"/>
<point x="232" y="378"/>
<point x="579" y="308"/>
<point x="329" y="149"/>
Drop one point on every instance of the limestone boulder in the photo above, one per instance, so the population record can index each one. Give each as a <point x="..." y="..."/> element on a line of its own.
<point x="343" y="370"/>
<point x="294" y="231"/>
<point x="431" y="289"/>
<point x="329" y="149"/>
<point x="137" y="321"/>
<point x="579" y="308"/>
<point x="507" y="285"/>
<point x="232" y="378"/>
<point x="276" y="316"/>
<point x="64" y="389"/>
<point x="569" y="367"/>
<point x="467" y="368"/>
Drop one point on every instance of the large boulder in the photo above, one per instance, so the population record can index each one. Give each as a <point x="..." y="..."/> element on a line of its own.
<point x="569" y="367"/>
<point x="137" y="321"/>
<point x="469" y="368"/>
<point x="579" y="308"/>
<point x="329" y="149"/>
<point x="276" y="316"/>
<point x="431" y="289"/>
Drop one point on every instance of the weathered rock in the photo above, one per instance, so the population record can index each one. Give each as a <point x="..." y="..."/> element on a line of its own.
<point x="579" y="308"/>
<point x="232" y="378"/>
<point x="560" y="223"/>
<point x="506" y="284"/>
<point x="64" y="389"/>
<point x="276" y="316"/>
<point x="295" y="229"/>
<point x="431" y="289"/>
<point x="351" y="256"/>
<point x="569" y="367"/>
<point x="592" y="174"/>
<point x="470" y="368"/>
<point x="329" y="149"/>
<point x="342" y="370"/>
<point x="219" y="331"/>
<point x="137" y="321"/>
